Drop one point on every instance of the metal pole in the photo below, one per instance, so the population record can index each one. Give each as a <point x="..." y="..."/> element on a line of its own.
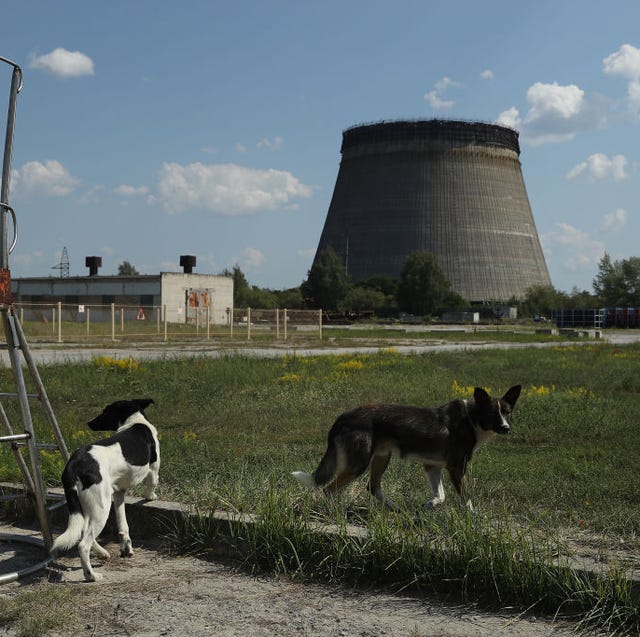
<point x="16" y="87"/>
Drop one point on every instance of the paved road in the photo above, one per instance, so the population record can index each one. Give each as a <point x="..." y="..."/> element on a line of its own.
<point x="70" y="353"/>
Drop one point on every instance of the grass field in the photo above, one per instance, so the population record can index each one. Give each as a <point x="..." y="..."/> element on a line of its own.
<point x="232" y="429"/>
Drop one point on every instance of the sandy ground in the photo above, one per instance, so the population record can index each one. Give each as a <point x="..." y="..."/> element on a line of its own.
<point x="152" y="594"/>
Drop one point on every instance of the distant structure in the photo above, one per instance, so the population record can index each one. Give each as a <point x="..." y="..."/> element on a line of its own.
<point x="452" y="188"/>
<point x="180" y="297"/>
<point x="63" y="266"/>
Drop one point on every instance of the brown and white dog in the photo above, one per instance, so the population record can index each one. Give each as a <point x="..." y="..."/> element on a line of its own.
<point x="437" y="437"/>
<point x="106" y="469"/>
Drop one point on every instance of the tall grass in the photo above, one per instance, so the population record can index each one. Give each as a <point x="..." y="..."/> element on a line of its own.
<point x="486" y="559"/>
<point x="233" y="428"/>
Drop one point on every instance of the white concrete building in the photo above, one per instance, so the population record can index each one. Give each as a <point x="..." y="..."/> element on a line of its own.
<point x="182" y="296"/>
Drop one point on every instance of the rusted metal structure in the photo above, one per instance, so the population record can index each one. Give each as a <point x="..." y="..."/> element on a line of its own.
<point x="452" y="188"/>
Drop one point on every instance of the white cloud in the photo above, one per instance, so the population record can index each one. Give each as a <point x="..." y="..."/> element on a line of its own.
<point x="556" y="113"/>
<point x="241" y="148"/>
<point x="126" y="190"/>
<point x="50" y="178"/>
<point x="553" y="100"/>
<point x="510" y="118"/>
<point x="572" y="248"/>
<point x="598" y="167"/>
<point x="625" y="63"/>
<point x="435" y="97"/>
<point x="92" y="195"/>
<point x="271" y="144"/>
<point x="487" y="74"/>
<point x="227" y="189"/>
<point x="253" y="258"/>
<point x="63" y="63"/>
<point x="615" y="220"/>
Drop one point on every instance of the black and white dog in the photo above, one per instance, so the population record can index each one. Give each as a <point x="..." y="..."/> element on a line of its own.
<point x="437" y="437"/>
<point x="106" y="469"/>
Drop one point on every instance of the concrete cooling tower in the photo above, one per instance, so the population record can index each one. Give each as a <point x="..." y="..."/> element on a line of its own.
<point x="452" y="188"/>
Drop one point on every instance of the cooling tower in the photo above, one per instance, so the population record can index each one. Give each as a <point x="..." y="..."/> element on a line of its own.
<point x="452" y="188"/>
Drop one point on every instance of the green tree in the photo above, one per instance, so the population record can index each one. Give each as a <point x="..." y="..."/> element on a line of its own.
<point x="126" y="269"/>
<point x="241" y="288"/>
<point x="542" y="300"/>
<point x="327" y="282"/>
<point x="290" y="298"/>
<point x="617" y="283"/>
<point x="423" y="288"/>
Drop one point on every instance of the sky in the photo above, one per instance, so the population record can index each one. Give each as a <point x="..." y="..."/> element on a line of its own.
<point x="149" y="129"/>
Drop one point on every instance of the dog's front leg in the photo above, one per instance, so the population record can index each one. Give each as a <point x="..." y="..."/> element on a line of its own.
<point x="460" y="484"/>
<point x="126" y="548"/>
<point x="151" y="482"/>
<point x="434" y="477"/>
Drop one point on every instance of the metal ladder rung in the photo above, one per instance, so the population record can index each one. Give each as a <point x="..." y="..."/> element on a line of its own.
<point x="41" y="445"/>
<point x="14" y="437"/>
<point x="15" y="395"/>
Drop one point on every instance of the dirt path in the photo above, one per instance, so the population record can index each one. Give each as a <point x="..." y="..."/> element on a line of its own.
<point x="156" y="595"/>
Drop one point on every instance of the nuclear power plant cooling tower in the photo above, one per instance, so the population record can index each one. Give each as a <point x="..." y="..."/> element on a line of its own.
<point x="452" y="188"/>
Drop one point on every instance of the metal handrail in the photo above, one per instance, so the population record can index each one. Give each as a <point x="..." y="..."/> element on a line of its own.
<point x="12" y="212"/>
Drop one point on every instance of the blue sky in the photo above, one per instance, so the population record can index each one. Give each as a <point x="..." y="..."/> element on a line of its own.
<point x="150" y="129"/>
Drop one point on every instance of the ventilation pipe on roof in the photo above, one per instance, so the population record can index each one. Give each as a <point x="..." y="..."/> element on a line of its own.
<point x="187" y="262"/>
<point x="93" y="263"/>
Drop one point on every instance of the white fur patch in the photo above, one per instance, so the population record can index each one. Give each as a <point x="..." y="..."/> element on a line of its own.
<point x="305" y="479"/>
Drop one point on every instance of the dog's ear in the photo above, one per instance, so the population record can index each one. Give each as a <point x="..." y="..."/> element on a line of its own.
<point x="143" y="403"/>
<point x="480" y="395"/>
<point x="512" y="394"/>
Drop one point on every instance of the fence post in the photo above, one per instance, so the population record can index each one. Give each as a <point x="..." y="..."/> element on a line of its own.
<point x="208" y="314"/>
<point x="277" y="324"/>
<point x="248" y="323"/>
<point x="164" y="308"/>
<point x="113" y="321"/>
<point x="284" y="318"/>
<point x="59" y="322"/>
<point x="122" y="320"/>
<point x="158" y="320"/>
<point x="88" y="312"/>
<point x="231" y="323"/>
<point x="53" y="320"/>
<point x="320" y="323"/>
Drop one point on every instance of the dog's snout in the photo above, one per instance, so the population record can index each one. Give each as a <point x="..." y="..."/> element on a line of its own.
<point x="505" y="428"/>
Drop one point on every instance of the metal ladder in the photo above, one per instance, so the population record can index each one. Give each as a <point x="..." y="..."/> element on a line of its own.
<point x="23" y="435"/>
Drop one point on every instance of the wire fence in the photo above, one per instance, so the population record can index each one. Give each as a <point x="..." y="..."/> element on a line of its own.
<point x="59" y="322"/>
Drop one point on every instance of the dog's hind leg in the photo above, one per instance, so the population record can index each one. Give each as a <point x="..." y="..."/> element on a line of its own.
<point x="341" y="481"/>
<point x="126" y="548"/>
<point x="377" y="468"/>
<point x="96" y="511"/>
<point x="434" y="477"/>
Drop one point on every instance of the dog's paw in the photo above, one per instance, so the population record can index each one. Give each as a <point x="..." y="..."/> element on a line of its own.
<point x="151" y="496"/>
<point x="126" y="550"/>
<point x="94" y="577"/>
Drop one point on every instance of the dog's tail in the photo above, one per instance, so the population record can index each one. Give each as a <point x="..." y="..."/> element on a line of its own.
<point x="325" y="472"/>
<point x="73" y="533"/>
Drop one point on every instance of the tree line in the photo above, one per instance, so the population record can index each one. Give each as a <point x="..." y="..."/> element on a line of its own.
<point x="423" y="290"/>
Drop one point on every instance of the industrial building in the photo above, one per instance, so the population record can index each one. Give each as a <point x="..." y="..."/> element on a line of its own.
<point x="183" y="296"/>
<point x="451" y="188"/>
